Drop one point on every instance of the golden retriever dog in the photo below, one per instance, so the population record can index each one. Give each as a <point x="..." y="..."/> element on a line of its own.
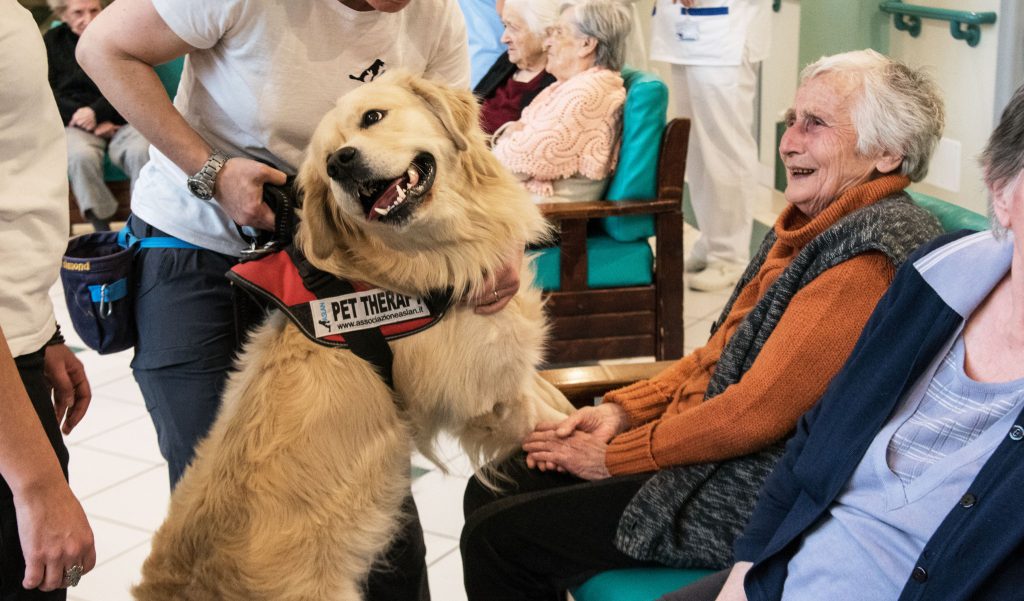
<point x="296" y="491"/>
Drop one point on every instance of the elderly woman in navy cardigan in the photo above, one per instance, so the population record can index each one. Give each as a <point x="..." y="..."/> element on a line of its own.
<point x="905" y="481"/>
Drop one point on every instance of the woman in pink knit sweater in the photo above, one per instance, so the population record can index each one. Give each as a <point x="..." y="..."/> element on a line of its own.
<point x="566" y="143"/>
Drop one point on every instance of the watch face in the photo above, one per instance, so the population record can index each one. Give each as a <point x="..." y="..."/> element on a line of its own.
<point x="200" y="189"/>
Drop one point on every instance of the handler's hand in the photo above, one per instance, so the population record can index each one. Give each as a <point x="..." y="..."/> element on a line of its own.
<point x="581" y="454"/>
<point x="239" y="191"/>
<point x="71" y="391"/>
<point x="83" y="118"/>
<point x="500" y="287"/>
<point x="54" y="534"/>
<point x="733" y="588"/>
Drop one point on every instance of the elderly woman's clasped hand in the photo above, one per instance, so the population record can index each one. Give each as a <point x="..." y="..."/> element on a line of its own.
<point x="578" y="443"/>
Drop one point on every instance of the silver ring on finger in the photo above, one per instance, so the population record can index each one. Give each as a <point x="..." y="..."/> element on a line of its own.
<point x="72" y="575"/>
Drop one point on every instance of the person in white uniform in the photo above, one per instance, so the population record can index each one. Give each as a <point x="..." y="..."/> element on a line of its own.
<point x="714" y="47"/>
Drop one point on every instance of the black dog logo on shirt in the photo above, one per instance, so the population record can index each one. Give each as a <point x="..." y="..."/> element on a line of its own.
<point x="372" y="72"/>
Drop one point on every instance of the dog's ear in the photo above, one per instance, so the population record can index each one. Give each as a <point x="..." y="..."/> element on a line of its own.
<point x="317" y="214"/>
<point x="456" y="109"/>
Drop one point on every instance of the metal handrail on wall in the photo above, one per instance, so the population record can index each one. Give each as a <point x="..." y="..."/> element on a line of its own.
<point x="963" y="24"/>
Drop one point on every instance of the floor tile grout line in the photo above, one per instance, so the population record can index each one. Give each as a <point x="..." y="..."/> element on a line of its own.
<point x="443" y="555"/>
<point x="102" y="396"/>
<point x="103" y="518"/>
<point x="149" y="462"/>
<point x="120" y="482"/>
<point x="442" y="535"/>
<point x="107" y="431"/>
<point x="126" y="551"/>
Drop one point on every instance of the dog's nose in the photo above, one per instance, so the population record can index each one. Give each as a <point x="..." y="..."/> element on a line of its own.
<point x="340" y="161"/>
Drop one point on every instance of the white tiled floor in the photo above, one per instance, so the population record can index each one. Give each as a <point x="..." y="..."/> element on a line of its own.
<point x="119" y="476"/>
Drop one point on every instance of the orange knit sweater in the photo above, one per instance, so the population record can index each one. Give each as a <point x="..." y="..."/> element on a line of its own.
<point x="671" y="422"/>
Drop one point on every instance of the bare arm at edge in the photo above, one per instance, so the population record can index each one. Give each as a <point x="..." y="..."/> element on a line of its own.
<point x="118" y="50"/>
<point x="52" y="526"/>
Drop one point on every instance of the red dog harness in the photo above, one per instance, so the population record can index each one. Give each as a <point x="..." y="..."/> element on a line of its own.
<point x="335" y="312"/>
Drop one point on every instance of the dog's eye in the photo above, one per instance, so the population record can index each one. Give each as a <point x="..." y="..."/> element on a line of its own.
<point x="372" y="116"/>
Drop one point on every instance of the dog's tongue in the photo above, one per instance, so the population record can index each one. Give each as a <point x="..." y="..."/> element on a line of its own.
<point x="393" y="195"/>
<point x="385" y="200"/>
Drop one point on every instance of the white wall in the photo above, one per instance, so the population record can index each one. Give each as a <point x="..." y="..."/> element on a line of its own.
<point x="779" y="74"/>
<point x="967" y="77"/>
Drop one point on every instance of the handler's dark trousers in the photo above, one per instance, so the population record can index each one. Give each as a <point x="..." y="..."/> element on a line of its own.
<point x="542" y="534"/>
<point x="185" y="349"/>
<point x="12" y="561"/>
<point x="186" y="341"/>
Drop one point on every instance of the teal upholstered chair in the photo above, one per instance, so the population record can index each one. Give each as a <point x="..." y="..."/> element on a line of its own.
<point x="951" y="216"/>
<point x="117" y="181"/>
<point x="581" y="386"/>
<point x="606" y="297"/>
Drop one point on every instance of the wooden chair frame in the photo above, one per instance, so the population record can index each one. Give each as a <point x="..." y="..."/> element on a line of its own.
<point x="585" y="383"/>
<point x="592" y="324"/>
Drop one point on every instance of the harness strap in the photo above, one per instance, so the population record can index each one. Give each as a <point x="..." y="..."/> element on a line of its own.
<point x="368" y="344"/>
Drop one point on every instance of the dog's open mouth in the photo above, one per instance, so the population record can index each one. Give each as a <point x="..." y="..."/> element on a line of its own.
<point x="393" y="200"/>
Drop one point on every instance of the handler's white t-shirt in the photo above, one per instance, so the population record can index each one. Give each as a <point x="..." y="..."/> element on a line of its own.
<point x="266" y="73"/>
<point x="33" y="184"/>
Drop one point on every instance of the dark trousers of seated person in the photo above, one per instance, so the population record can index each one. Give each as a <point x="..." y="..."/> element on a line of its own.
<point x="542" y="534"/>
<point x="12" y="561"/>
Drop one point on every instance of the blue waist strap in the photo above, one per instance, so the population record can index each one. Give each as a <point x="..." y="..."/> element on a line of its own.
<point x="126" y="239"/>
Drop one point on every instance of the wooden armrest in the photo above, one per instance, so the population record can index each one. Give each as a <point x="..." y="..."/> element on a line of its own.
<point x="582" y="384"/>
<point x="558" y="211"/>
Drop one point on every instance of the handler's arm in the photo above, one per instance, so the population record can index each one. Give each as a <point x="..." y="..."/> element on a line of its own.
<point x="118" y="51"/>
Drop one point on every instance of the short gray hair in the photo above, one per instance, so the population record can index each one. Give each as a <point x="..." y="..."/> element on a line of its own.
<point x="898" y="110"/>
<point x="1002" y="161"/>
<point x="609" y="24"/>
<point x="57" y="6"/>
<point x="539" y="15"/>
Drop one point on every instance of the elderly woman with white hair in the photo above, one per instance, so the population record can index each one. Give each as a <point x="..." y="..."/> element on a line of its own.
<point x="666" y="471"/>
<point x="909" y="469"/>
<point x="566" y="143"/>
<point x="518" y="75"/>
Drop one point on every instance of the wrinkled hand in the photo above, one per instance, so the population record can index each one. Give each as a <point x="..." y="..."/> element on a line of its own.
<point x="239" y="190"/>
<point x="55" y="535"/>
<point x="604" y="421"/>
<point x="106" y="130"/>
<point x="581" y="454"/>
<point x="733" y="588"/>
<point x="500" y="287"/>
<point x="84" y="118"/>
<point x="71" y="392"/>
<point x="600" y="424"/>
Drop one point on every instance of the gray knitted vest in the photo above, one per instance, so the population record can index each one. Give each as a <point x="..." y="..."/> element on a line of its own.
<point x="688" y="516"/>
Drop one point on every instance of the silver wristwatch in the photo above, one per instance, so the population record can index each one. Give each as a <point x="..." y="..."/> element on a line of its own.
<point x="201" y="184"/>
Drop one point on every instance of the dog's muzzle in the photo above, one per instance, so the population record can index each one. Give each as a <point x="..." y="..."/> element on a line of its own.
<point x="390" y="199"/>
